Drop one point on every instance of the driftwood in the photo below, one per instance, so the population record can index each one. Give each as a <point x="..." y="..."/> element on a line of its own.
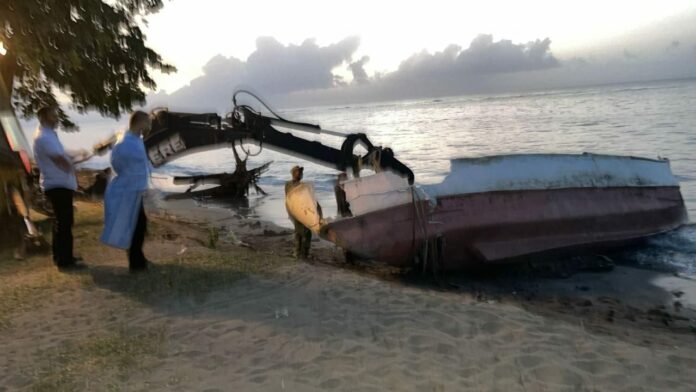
<point x="234" y="185"/>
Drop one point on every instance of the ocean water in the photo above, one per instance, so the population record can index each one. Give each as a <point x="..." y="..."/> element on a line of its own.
<point x="655" y="119"/>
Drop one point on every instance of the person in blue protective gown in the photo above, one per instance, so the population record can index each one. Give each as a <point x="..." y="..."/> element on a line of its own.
<point x="125" y="222"/>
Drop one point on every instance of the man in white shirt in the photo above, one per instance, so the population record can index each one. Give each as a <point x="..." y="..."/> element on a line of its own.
<point x="58" y="182"/>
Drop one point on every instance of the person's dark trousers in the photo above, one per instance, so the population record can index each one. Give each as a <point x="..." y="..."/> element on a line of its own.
<point x="136" y="257"/>
<point x="303" y="240"/>
<point x="62" y="202"/>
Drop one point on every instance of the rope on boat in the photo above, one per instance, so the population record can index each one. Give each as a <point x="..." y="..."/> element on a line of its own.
<point x="430" y="252"/>
<point x="420" y="226"/>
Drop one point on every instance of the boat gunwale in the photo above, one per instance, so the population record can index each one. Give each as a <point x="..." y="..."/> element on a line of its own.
<point x="484" y="158"/>
<point x="457" y="195"/>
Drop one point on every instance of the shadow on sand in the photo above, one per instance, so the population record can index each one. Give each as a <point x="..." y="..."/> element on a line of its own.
<point x="605" y="301"/>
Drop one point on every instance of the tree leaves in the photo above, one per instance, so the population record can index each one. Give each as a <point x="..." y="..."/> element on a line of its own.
<point x="92" y="51"/>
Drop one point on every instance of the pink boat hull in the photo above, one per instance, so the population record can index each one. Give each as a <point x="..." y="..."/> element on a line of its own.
<point x="500" y="226"/>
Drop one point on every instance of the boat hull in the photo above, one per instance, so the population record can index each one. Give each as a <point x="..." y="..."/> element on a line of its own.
<point x="499" y="226"/>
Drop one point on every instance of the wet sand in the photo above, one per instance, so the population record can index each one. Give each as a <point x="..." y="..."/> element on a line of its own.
<point x="225" y="308"/>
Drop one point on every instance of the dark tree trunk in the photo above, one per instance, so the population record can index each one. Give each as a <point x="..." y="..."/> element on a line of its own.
<point x="235" y="185"/>
<point x="244" y="179"/>
<point x="8" y="67"/>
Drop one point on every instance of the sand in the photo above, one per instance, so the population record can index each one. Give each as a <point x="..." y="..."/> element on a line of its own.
<point x="225" y="308"/>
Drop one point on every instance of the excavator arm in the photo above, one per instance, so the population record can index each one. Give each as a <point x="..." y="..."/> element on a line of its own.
<point x="176" y="134"/>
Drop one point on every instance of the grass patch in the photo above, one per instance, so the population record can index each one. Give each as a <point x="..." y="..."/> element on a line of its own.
<point x="29" y="289"/>
<point x="27" y="284"/>
<point x="190" y="264"/>
<point x="213" y="237"/>
<point x="31" y="283"/>
<point x="98" y="362"/>
<point x="9" y="265"/>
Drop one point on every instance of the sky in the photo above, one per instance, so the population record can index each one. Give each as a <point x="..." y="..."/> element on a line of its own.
<point x="312" y="53"/>
<point x="189" y="33"/>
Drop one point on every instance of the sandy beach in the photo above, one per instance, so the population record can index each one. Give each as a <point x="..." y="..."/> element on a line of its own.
<point x="512" y="185"/>
<point x="226" y="308"/>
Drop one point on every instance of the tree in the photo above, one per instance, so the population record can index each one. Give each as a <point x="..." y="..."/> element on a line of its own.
<point x="92" y="51"/>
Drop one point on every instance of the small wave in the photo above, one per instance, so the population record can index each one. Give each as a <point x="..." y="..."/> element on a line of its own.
<point x="681" y="240"/>
<point x="181" y="171"/>
<point x="645" y="88"/>
<point x="319" y="181"/>
<point x="588" y="124"/>
<point x="674" y="251"/>
<point x="683" y="178"/>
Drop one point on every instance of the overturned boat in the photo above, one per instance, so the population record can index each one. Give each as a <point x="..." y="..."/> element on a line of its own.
<point x="501" y="208"/>
<point x="487" y="210"/>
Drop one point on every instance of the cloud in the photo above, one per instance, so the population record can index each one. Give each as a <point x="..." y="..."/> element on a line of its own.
<point x="303" y="75"/>
<point x="278" y="71"/>
<point x="576" y="62"/>
<point x="484" y="56"/>
<point x="629" y="55"/>
<point x="272" y="69"/>
<point x="456" y="70"/>
<point x="357" y="68"/>
<point x="276" y="68"/>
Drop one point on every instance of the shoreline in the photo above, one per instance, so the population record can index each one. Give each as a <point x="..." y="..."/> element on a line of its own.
<point x="226" y="308"/>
